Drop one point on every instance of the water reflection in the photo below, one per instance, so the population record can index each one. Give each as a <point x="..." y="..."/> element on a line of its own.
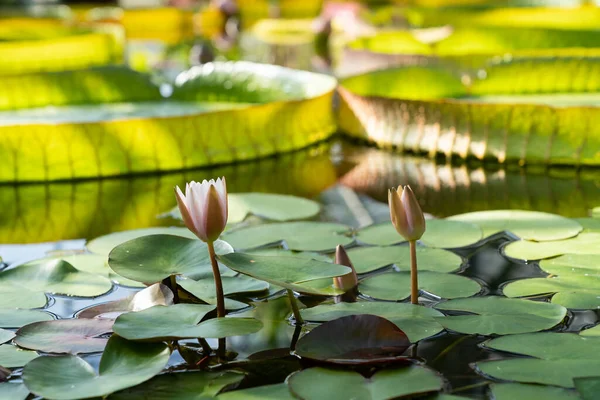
<point x="445" y="189"/>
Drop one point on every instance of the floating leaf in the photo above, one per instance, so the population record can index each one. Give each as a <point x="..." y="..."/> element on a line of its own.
<point x="123" y="364"/>
<point x="71" y="336"/>
<point x="417" y="322"/>
<point x="500" y="316"/>
<point x="205" y="289"/>
<point x="5" y="336"/>
<point x="104" y="244"/>
<point x="588" y="387"/>
<point x="321" y="383"/>
<point x="13" y="357"/>
<point x="156" y="257"/>
<point x="289" y="253"/>
<point x="181" y="321"/>
<point x="548" y="345"/>
<point x="573" y="265"/>
<point x="579" y="292"/>
<point x="55" y="276"/>
<point x="584" y="243"/>
<point x="16" y="318"/>
<point x="300" y="236"/>
<point x="396" y="285"/>
<point x="279" y="391"/>
<point x="98" y="264"/>
<point x="440" y="233"/>
<point x="354" y="340"/>
<point x="13" y="391"/>
<point x="21" y="297"/>
<point x="288" y="272"/>
<point x="157" y="294"/>
<point x="592" y="332"/>
<point x="522" y="391"/>
<point x="367" y="259"/>
<point x="180" y="386"/>
<point x="528" y="225"/>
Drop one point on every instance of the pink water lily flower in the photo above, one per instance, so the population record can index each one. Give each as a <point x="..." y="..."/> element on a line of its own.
<point x="204" y="208"/>
<point x="406" y="214"/>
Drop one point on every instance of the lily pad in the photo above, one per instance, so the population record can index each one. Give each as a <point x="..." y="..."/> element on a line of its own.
<point x="279" y="391"/>
<point x="500" y="316"/>
<point x="13" y="391"/>
<point x="417" y="322"/>
<point x="396" y="285"/>
<point x="592" y="332"/>
<point x="55" y="276"/>
<point x="156" y="257"/>
<point x="588" y="387"/>
<point x="287" y="272"/>
<point x="573" y="265"/>
<point x="311" y="255"/>
<point x="321" y="383"/>
<point x="13" y="357"/>
<point x="104" y="244"/>
<point x="123" y="364"/>
<point x="528" y="225"/>
<point x="181" y="321"/>
<point x="15" y="318"/>
<point x="5" y="335"/>
<point x="584" y="243"/>
<point x="157" y="294"/>
<point x="367" y="259"/>
<point x="354" y="340"/>
<point x="71" y="336"/>
<point x="548" y="345"/>
<point x="522" y="391"/>
<point x="180" y="386"/>
<point x="205" y="289"/>
<point x="578" y="292"/>
<point x="98" y="264"/>
<point x="20" y="297"/>
<point x="300" y="236"/>
<point x="440" y="233"/>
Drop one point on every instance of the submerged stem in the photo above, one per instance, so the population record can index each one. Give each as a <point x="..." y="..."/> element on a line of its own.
<point x="295" y="308"/>
<point x="220" y="295"/>
<point x="414" y="280"/>
<point x="173" y="280"/>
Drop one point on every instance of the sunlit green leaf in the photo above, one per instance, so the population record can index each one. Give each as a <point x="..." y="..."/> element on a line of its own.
<point x="579" y="291"/>
<point x="521" y="391"/>
<point x="104" y="244"/>
<point x="592" y="332"/>
<point x="21" y="297"/>
<point x="15" y="318"/>
<point x="13" y="357"/>
<point x="573" y="265"/>
<point x="204" y="289"/>
<point x="584" y="243"/>
<point x="548" y="345"/>
<point x="5" y="335"/>
<point x="13" y="391"/>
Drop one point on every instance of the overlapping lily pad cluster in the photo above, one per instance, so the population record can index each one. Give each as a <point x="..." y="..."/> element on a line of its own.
<point x="372" y="336"/>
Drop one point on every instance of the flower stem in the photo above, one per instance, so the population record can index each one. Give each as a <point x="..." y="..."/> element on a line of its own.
<point x="295" y="309"/>
<point x="220" y="296"/>
<point x="414" y="280"/>
<point x="173" y="280"/>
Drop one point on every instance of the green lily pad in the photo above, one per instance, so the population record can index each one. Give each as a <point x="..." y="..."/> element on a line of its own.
<point x="13" y="357"/>
<point x="205" y="289"/>
<point x="157" y="294"/>
<point x="55" y="276"/>
<point x="592" y="332"/>
<point x="104" y="244"/>
<point x="573" y="265"/>
<point x="522" y="391"/>
<point x="15" y="318"/>
<point x="321" y="383"/>
<point x="500" y="316"/>
<point x="311" y="255"/>
<point x="548" y="345"/>
<point x="123" y="364"/>
<point x="367" y="259"/>
<point x="584" y="243"/>
<point x="20" y="297"/>
<point x="5" y="335"/>
<point x="545" y="372"/>
<point x="396" y="285"/>
<point x="279" y="391"/>
<point x="13" y="391"/>
<point x="528" y="225"/>
<point x="440" y="233"/>
<point x="98" y="264"/>
<point x="180" y="386"/>
<point x="287" y="272"/>
<point x="300" y="236"/>
<point x="588" y="387"/>
<point x="156" y="257"/>
<point x="417" y="322"/>
<point x="71" y="336"/>
<point x="578" y="292"/>
<point x="354" y="340"/>
<point x="181" y="321"/>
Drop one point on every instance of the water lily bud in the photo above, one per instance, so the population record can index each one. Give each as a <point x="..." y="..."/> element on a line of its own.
<point x="350" y="280"/>
<point x="406" y="214"/>
<point x="204" y="208"/>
